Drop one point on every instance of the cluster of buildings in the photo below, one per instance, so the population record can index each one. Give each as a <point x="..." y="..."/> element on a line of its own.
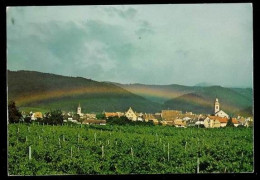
<point x="178" y="119"/>
<point x="166" y="117"/>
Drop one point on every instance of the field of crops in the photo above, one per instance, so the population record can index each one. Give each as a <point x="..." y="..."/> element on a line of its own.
<point x="43" y="150"/>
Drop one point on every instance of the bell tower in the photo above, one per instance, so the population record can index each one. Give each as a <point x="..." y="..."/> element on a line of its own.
<point x="79" y="110"/>
<point x="216" y="106"/>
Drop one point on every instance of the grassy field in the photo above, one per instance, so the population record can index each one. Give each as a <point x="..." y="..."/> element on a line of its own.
<point x="76" y="149"/>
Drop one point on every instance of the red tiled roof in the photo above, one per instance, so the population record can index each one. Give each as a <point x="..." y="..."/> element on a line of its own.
<point x="234" y="121"/>
<point x="220" y="119"/>
<point x="223" y="120"/>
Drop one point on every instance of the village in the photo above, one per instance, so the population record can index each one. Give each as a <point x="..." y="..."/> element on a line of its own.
<point x="166" y="117"/>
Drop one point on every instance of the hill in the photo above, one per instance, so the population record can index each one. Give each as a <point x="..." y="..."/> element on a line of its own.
<point x="190" y="102"/>
<point x="157" y="93"/>
<point x="46" y="91"/>
<point x="230" y="101"/>
<point x="245" y="112"/>
<point x="189" y="98"/>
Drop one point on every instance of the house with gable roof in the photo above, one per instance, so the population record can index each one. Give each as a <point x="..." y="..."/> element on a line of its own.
<point x="130" y="114"/>
<point x="216" y="121"/>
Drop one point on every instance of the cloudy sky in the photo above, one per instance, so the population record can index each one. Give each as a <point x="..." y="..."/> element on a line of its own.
<point x="151" y="44"/>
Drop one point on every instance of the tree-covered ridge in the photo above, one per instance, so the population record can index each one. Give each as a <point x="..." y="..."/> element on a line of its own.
<point x="201" y="101"/>
<point x="49" y="91"/>
<point x="197" y="99"/>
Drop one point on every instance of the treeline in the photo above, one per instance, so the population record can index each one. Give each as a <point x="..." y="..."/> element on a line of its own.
<point x="125" y="121"/>
<point x="54" y="117"/>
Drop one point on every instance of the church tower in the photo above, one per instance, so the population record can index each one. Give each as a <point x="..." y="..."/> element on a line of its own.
<point x="216" y="106"/>
<point x="79" y="110"/>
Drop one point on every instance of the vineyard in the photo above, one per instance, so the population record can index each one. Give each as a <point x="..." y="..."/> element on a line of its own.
<point x="35" y="149"/>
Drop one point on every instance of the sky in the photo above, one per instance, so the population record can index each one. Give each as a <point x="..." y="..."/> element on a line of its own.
<point x="182" y="44"/>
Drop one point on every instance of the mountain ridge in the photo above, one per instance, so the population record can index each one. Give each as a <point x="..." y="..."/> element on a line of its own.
<point x="233" y="100"/>
<point x="47" y="90"/>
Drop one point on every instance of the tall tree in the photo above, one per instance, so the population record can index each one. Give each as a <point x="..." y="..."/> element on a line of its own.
<point x="230" y="123"/>
<point x="53" y="117"/>
<point x="100" y="116"/>
<point x="13" y="113"/>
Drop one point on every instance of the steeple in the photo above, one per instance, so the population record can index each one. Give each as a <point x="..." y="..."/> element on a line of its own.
<point x="216" y="106"/>
<point x="79" y="109"/>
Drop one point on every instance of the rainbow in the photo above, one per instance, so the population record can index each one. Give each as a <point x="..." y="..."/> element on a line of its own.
<point x="25" y="99"/>
<point x="142" y="91"/>
<point x="170" y="94"/>
<point x="160" y="93"/>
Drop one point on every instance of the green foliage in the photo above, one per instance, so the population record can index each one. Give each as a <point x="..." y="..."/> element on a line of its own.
<point x="100" y="116"/>
<point x="53" y="117"/>
<point x="230" y="123"/>
<point x="13" y="113"/>
<point x="27" y="119"/>
<point x="51" y="155"/>
<point x="125" y="121"/>
<point x="118" y="120"/>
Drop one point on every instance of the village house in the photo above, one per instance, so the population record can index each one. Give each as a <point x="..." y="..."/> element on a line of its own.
<point x="245" y="121"/>
<point x="139" y="116"/>
<point x="235" y="122"/>
<point x="90" y="116"/>
<point x="212" y="122"/>
<point x="219" y="119"/>
<point x="120" y="114"/>
<point x="164" y="123"/>
<point x="36" y="115"/>
<point x="168" y="123"/>
<point x="148" y="117"/>
<point x="155" y="121"/>
<point x="70" y="119"/>
<point x="113" y="114"/>
<point x="186" y="119"/>
<point x="110" y="114"/>
<point x="158" y="116"/>
<point x="179" y="123"/>
<point x="130" y="114"/>
<point x="216" y="121"/>
<point x="225" y="120"/>
<point x="241" y="120"/>
<point x="170" y="115"/>
<point x="199" y="120"/>
<point x="199" y="123"/>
